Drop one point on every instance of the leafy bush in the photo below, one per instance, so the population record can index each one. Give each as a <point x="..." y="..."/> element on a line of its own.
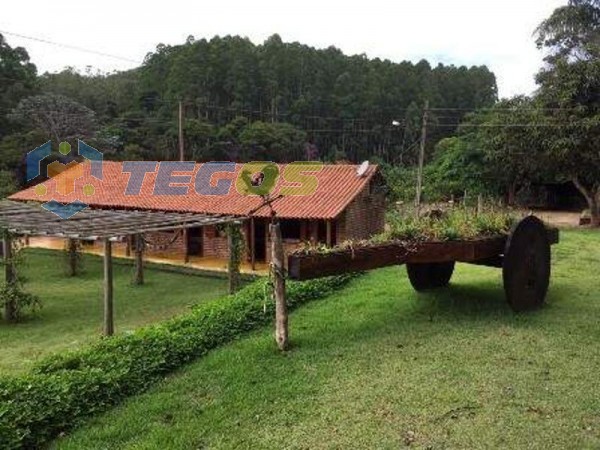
<point x="19" y="299"/>
<point x="64" y="389"/>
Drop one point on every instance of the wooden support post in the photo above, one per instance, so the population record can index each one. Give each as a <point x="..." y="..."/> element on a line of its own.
<point x="138" y="242"/>
<point x="72" y="255"/>
<point x="329" y="240"/>
<point x="479" y="204"/>
<point x="186" y="255"/>
<point x="128" y="245"/>
<point x="109" y="327"/>
<point x="10" y="278"/>
<point x="277" y="267"/>
<point x="233" y="267"/>
<point x="313" y="227"/>
<point x="252" y="243"/>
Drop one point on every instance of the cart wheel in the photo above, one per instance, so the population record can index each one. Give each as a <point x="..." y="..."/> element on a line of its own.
<point x="429" y="275"/>
<point x="526" y="265"/>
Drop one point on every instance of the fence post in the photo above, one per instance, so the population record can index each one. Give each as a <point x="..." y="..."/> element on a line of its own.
<point x="278" y="273"/>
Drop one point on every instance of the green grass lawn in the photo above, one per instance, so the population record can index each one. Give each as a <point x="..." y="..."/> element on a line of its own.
<point x="71" y="315"/>
<point x="380" y="366"/>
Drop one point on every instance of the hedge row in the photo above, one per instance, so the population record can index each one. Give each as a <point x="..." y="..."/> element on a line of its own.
<point x="62" y="390"/>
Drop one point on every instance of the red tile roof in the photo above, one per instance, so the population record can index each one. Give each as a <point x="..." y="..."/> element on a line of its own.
<point x="338" y="185"/>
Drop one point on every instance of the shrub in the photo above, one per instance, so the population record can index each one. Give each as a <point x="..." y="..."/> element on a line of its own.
<point x="20" y="300"/>
<point x="64" y="389"/>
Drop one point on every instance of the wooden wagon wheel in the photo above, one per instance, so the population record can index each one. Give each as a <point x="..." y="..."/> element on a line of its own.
<point x="424" y="276"/>
<point x="526" y="265"/>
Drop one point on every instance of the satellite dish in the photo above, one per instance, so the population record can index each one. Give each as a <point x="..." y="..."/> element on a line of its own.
<point x="362" y="169"/>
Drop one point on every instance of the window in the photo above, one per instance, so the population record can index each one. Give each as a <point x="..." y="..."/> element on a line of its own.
<point x="290" y="229"/>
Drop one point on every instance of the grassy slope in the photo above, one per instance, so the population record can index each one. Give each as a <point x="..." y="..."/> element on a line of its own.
<point x="378" y="365"/>
<point x="72" y="307"/>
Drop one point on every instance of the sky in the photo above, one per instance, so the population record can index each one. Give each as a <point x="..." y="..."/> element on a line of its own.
<point x="497" y="33"/>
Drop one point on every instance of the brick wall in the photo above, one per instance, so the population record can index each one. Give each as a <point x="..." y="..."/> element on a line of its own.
<point x="364" y="217"/>
<point x="162" y="244"/>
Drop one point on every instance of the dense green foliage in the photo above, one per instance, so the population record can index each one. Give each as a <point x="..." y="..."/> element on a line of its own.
<point x="549" y="138"/>
<point x="17" y="80"/>
<point x="66" y="388"/>
<point x="569" y="92"/>
<point x="279" y="101"/>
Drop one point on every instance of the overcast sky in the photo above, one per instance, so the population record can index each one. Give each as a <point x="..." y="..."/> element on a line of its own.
<point x="497" y="33"/>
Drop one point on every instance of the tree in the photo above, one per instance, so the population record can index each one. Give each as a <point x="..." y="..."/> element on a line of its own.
<point x="17" y="79"/>
<point x="8" y="183"/>
<point x="57" y="116"/>
<point x="458" y="165"/>
<point x="511" y="136"/>
<point x="570" y="93"/>
<point x="272" y="142"/>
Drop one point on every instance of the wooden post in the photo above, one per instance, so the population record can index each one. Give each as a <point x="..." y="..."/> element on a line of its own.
<point x="138" y="243"/>
<point x="186" y="255"/>
<point x="72" y="254"/>
<point x="277" y="267"/>
<point x="329" y="240"/>
<point x="313" y="227"/>
<point x="252" y="243"/>
<point x="109" y="327"/>
<point x="479" y="204"/>
<point x="128" y="245"/>
<point x="233" y="267"/>
<point x="10" y="278"/>
<point x="421" y="157"/>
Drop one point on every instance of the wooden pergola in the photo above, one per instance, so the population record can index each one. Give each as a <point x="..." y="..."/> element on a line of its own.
<point x="106" y="225"/>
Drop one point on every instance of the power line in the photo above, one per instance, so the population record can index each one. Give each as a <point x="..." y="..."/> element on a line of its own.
<point x="70" y="47"/>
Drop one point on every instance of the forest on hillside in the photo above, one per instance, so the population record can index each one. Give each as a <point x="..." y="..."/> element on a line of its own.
<point x="278" y="101"/>
<point x="283" y="101"/>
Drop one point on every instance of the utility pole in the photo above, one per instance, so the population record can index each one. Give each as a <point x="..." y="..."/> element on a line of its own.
<point x="421" y="157"/>
<point x="181" y="154"/>
<point x="184" y="232"/>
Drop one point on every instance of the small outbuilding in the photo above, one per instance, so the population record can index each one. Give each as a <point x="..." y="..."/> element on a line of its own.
<point x="348" y="203"/>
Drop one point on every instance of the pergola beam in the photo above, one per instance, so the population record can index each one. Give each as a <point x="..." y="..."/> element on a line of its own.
<point x="29" y="219"/>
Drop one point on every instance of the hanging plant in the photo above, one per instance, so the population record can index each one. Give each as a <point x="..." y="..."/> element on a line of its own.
<point x="13" y="298"/>
<point x="236" y="249"/>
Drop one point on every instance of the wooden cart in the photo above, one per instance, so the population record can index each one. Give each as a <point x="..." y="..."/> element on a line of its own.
<point x="524" y="256"/>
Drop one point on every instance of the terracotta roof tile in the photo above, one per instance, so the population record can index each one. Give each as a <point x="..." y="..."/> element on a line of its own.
<point x="337" y="187"/>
